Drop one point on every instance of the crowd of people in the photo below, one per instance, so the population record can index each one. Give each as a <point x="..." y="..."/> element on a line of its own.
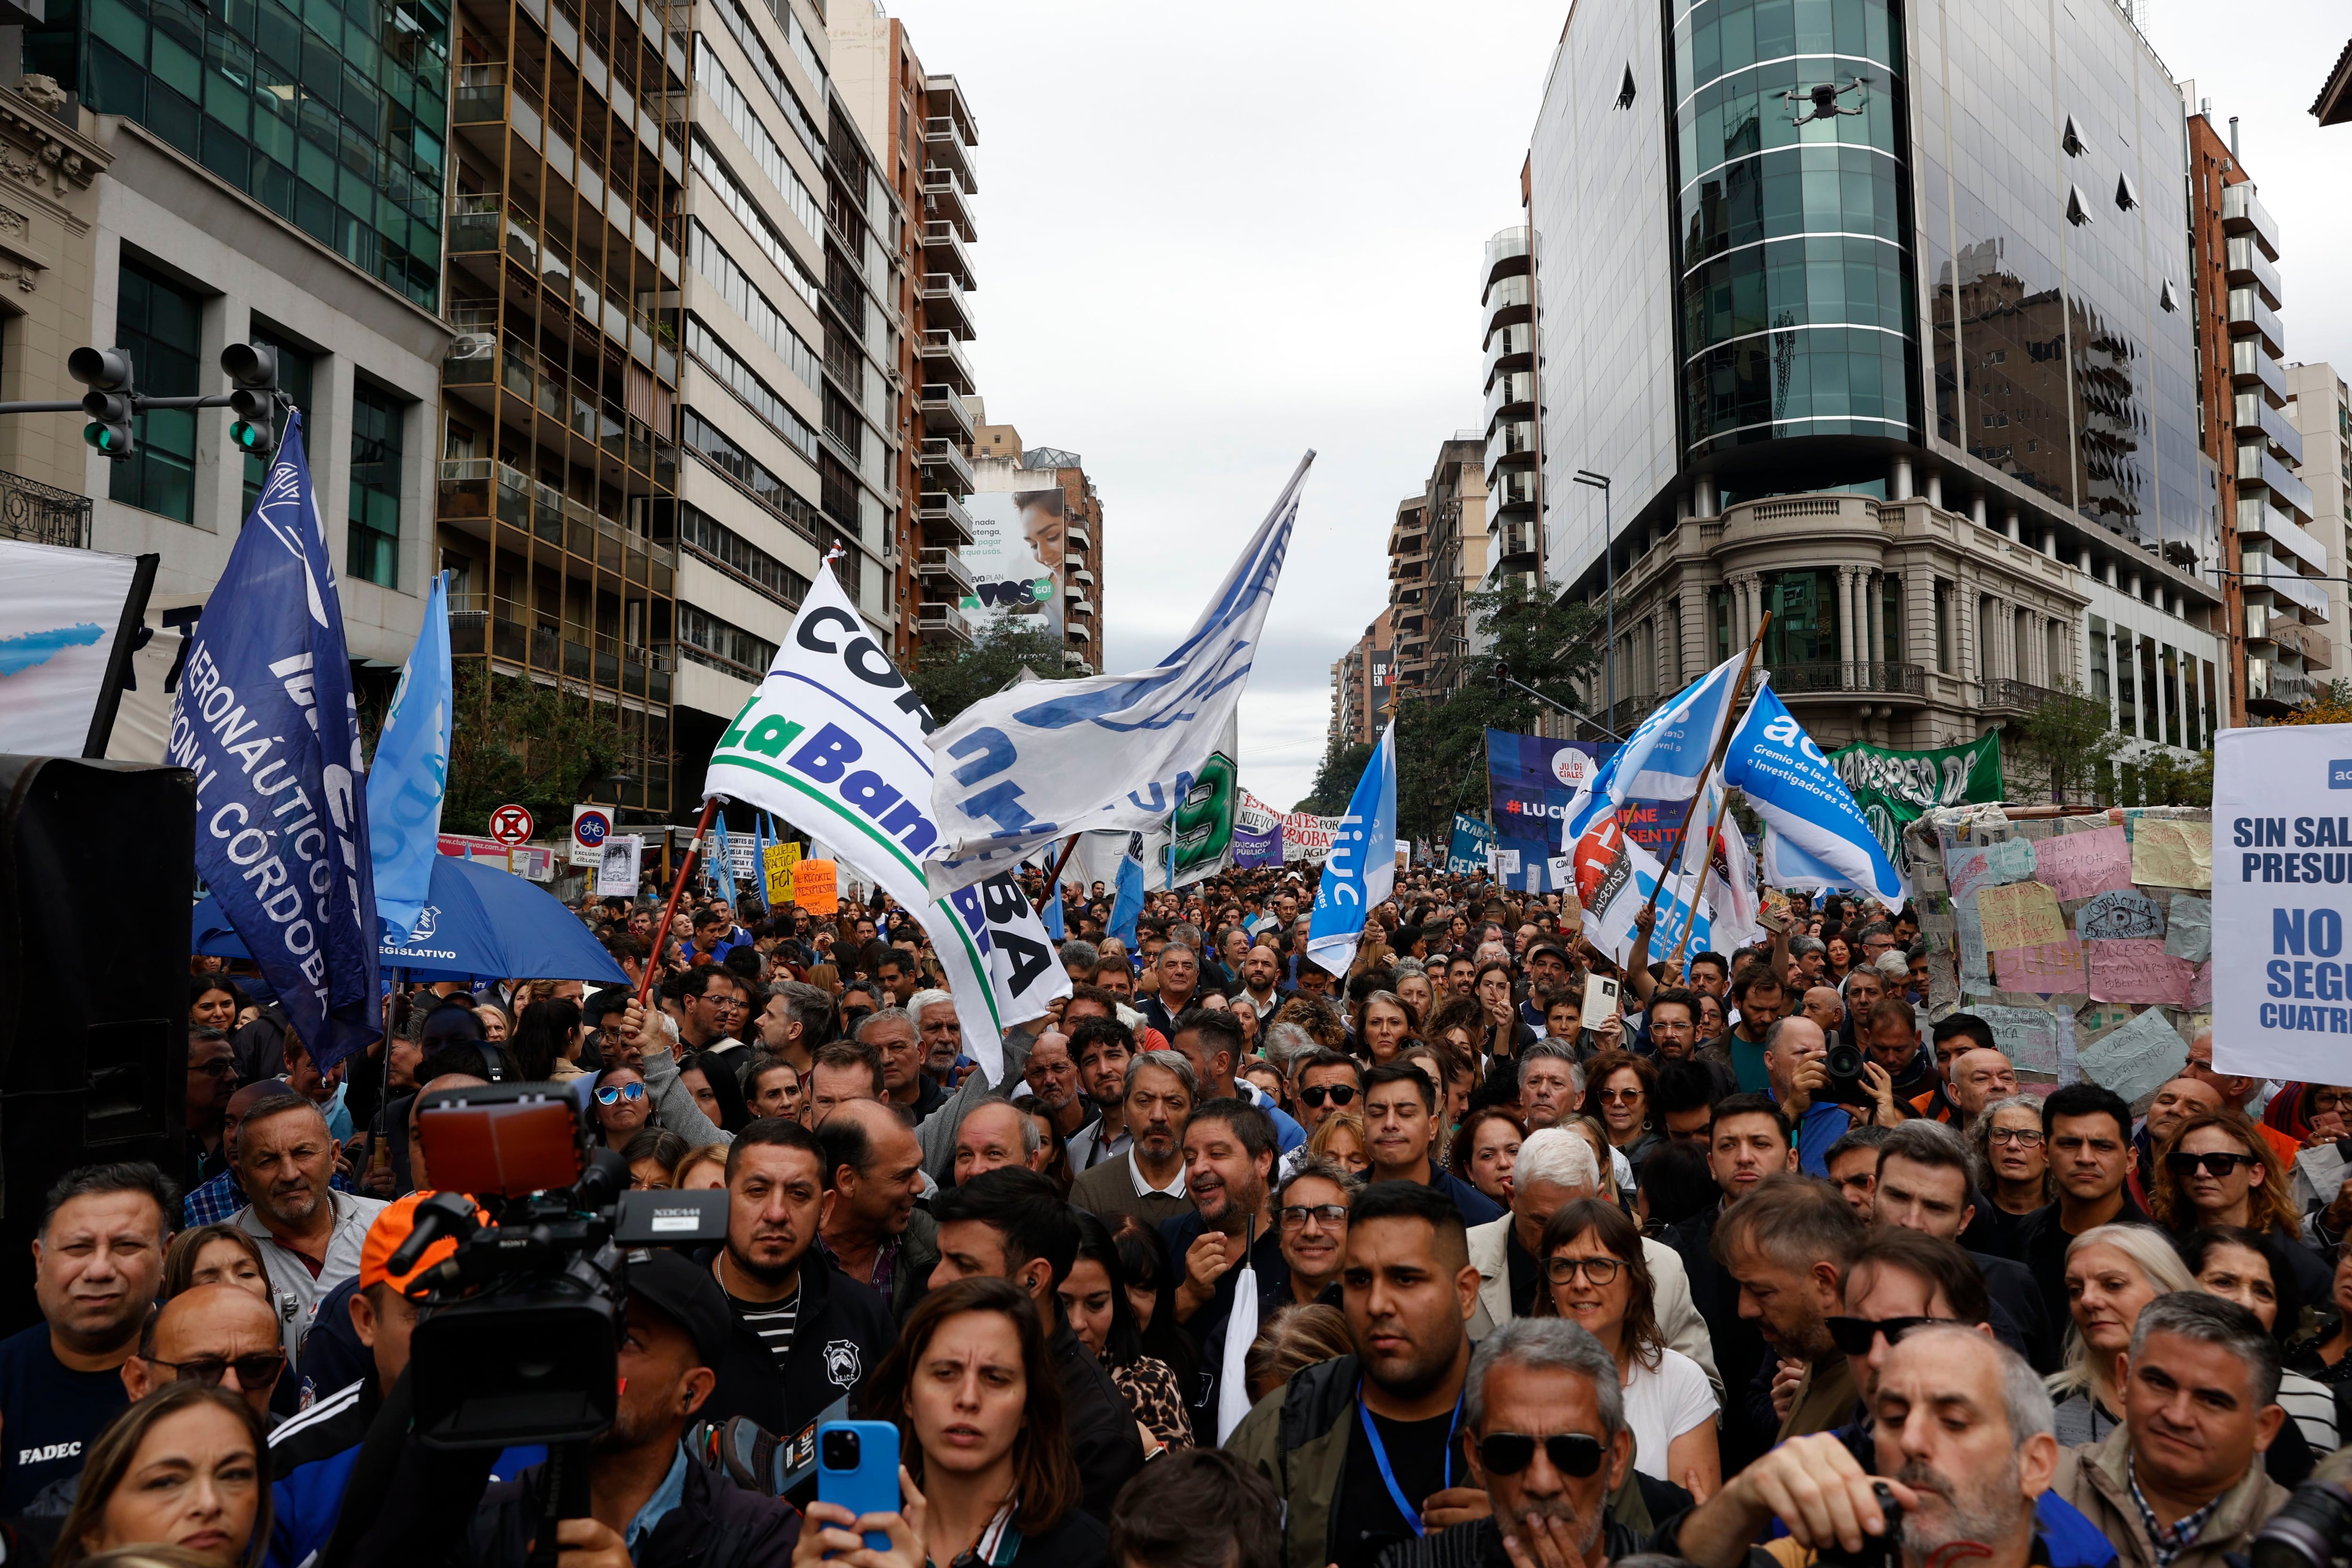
<point x="1529" y="1285"/>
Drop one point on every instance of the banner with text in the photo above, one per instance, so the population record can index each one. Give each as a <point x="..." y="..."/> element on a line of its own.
<point x="1472" y="847"/>
<point x="1531" y="779"/>
<point x="2281" y="884"/>
<point x="1304" y="836"/>
<point x="1893" y="787"/>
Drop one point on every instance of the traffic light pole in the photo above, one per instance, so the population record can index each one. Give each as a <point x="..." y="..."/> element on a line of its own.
<point x="139" y="403"/>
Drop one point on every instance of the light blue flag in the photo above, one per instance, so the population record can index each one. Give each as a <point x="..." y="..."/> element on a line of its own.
<point x="1360" y="873"/>
<point x="1127" y="903"/>
<point x="1815" y="837"/>
<point x="1053" y="913"/>
<point x="411" y="774"/>
<point x="722" y="864"/>
<point x="1667" y="753"/>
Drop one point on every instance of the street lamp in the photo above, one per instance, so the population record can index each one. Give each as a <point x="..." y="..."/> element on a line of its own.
<point x="1608" y="554"/>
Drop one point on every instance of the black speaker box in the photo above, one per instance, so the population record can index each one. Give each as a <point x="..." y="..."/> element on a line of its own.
<point x="97" y="881"/>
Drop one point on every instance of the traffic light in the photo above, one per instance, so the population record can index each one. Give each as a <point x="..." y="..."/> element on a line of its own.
<point x="109" y="402"/>
<point x="254" y="399"/>
<point x="1502" y="675"/>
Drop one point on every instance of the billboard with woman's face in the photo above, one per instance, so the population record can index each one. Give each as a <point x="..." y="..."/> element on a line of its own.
<point x="1015" y="558"/>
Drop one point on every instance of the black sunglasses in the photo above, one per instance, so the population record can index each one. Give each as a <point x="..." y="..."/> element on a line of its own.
<point x="1508" y="1453"/>
<point x="1853" y="1336"/>
<point x="1313" y="1094"/>
<point x="259" y="1369"/>
<point x="2181" y="1163"/>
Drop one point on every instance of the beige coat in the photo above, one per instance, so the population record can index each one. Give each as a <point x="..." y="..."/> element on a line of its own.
<point x="2096" y="1479"/>
<point x="1678" y="1319"/>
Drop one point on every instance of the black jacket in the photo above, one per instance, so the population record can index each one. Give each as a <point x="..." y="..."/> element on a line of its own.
<point x="717" y="1524"/>
<point x="841" y="1335"/>
<point x="1738" y="1348"/>
<point x="1103" y="1437"/>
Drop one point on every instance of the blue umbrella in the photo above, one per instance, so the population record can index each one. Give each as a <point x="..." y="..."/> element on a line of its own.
<point x="485" y="923"/>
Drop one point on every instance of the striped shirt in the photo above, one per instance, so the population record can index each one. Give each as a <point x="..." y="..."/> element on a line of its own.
<point x="774" y="1321"/>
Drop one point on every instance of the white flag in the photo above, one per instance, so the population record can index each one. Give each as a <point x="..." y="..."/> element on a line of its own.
<point x="833" y="740"/>
<point x="1233" y="1370"/>
<point x="1046" y="759"/>
<point x="1668" y="752"/>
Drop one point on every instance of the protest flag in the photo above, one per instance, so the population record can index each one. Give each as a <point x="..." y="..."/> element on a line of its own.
<point x="1360" y="872"/>
<point x="411" y="774"/>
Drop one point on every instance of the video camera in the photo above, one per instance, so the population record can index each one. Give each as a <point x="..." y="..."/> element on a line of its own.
<point x="519" y="1342"/>
<point x="2313" y="1529"/>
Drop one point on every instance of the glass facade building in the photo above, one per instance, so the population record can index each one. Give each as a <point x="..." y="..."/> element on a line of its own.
<point x="332" y="114"/>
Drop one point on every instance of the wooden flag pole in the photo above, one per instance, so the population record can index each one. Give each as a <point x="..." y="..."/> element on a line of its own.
<point x="1714" y="761"/>
<point x="669" y="909"/>
<point x="1698" y="888"/>
<point x="1051" y="882"/>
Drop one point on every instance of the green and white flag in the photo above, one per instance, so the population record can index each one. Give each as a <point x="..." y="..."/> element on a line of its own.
<point x="833" y="742"/>
<point x="1893" y="788"/>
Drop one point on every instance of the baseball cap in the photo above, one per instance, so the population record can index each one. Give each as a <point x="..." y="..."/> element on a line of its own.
<point x="392" y="1228"/>
<point x="684" y="1292"/>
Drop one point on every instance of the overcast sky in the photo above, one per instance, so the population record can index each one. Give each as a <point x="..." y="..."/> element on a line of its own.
<point x="1211" y="239"/>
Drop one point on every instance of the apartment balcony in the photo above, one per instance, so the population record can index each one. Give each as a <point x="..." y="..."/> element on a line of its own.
<point x="943" y="98"/>
<point x="1079" y="575"/>
<point x="944" y="147"/>
<point x="2310" y="643"/>
<point x="2247" y="264"/>
<point x="2272" y="689"/>
<point x="43" y="514"/>
<point x="1076" y="538"/>
<point x="943" y="305"/>
<point x="941" y="361"/>
<point x="944" y="198"/>
<point x="945" y="468"/>
<point x="1509" y="349"/>
<point x="1796" y="681"/>
<point x="945" y="412"/>
<point x="1516" y="544"/>
<point x="941" y="622"/>
<point x="943" y="519"/>
<point x="2257" y="420"/>
<point x="1077" y="629"/>
<point x="2248" y="315"/>
<point x="2272" y="575"/>
<point x="1509" y="302"/>
<point x="2007" y="696"/>
<point x="2260" y="522"/>
<point x="1512" y="491"/>
<point x="1509" y="255"/>
<point x="943" y="252"/>
<point x="2251" y="367"/>
<point x="1511" y="395"/>
<point x="2243" y="212"/>
<point x="940" y="566"/>
<point x="2256" y="466"/>
<point x="1512" y="445"/>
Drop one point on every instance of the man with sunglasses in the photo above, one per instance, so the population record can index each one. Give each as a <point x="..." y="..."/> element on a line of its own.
<point x="221" y="1335"/>
<point x="1323" y="1081"/>
<point x="1363" y="1448"/>
<point x="2087" y="1130"/>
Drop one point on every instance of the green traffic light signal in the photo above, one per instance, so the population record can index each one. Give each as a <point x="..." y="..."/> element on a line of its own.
<point x="247" y="438"/>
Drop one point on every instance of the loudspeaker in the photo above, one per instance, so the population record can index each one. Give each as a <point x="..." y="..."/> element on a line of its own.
<point x="97" y="882"/>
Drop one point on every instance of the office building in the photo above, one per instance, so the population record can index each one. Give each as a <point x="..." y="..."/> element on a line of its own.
<point x="1037" y="550"/>
<point x="923" y="134"/>
<point x="1409" y="585"/>
<point x="2320" y="409"/>
<point x="1362" y="686"/>
<point x="1873" y="318"/>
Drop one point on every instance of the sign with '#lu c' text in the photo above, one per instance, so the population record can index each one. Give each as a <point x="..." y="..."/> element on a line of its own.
<point x="2282" y="874"/>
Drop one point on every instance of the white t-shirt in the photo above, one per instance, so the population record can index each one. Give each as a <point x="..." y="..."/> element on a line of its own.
<point x="1661" y="1403"/>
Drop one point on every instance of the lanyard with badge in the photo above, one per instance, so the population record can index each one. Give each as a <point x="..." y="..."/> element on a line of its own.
<point x="1380" y="1457"/>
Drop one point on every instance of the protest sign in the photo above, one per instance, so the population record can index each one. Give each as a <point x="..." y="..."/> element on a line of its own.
<point x="1893" y="787"/>
<point x="816" y="886"/>
<point x="2282" y="898"/>
<point x="617" y="859"/>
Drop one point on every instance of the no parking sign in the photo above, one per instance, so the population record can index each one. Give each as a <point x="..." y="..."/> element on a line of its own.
<point x="591" y="826"/>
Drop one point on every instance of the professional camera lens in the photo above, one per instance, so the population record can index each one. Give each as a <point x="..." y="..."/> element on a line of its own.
<point x="1843" y="1061"/>
<point x="2312" y="1530"/>
<point x="840" y="1450"/>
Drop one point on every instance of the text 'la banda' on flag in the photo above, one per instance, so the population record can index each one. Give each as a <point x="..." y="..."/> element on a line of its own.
<point x="1039" y="762"/>
<point x="833" y="740"/>
<point x="265" y="718"/>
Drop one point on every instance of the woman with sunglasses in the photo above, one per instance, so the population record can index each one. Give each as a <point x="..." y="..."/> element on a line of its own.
<point x="1311" y="1209"/>
<point x="2008" y="1139"/>
<point x="622" y="1106"/>
<point x="2216" y="1170"/>
<point x="1600" y="1279"/>
<point x="1621" y="1084"/>
<point x="2113" y="1271"/>
<point x="1484" y="1148"/>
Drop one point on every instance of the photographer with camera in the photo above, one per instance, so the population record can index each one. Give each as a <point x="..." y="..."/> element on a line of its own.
<point x="1796" y="1059"/>
<point x="1961" y="1426"/>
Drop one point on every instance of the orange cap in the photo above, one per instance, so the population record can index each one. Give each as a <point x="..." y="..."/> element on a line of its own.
<point x="393" y="1226"/>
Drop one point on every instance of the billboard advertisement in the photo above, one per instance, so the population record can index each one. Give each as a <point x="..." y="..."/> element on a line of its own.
<point x="1015" y="558"/>
<point x="1531" y="779"/>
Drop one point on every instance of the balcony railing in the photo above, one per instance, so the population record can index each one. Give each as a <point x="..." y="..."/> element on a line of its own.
<point x="943" y="304"/>
<point x="946" y="467"/>
<point x="2022" y="695"/>
<point x="1804" y="680"/>
<point x="2243" y="212"/>
<point x="938" y="622"/>
<point x="943" y="518"/>
<point x="42" y="515"/>
<point x="945" y="565"/>
<point x="945" y="412"/>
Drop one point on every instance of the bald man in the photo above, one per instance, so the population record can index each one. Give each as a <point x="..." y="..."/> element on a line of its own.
<point x="993" y="1135"/>
<point x="872" y="1231"/>
<point x="1978" y="1077"/>
<point x="208" y="1329"/>
<point x="1825" y="1007"/>
<point x="2177" y="1100"/>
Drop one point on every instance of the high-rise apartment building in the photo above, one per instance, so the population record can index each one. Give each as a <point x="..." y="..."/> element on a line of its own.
<point x="2276" y="601"/>
<point x="1454" y="507"/>
<point x="1363" y="686"/>
<point x="1873" y="318"/>
<point x="923" y="132"/>
<point x="1409" y="586"/>
<point x="1514" y="480"/>
<point x="1037" y="544"/>
<point x="2320" y="409"/>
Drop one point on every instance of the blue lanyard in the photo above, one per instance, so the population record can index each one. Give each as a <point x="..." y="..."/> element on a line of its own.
<point x="1380" y="1456"/>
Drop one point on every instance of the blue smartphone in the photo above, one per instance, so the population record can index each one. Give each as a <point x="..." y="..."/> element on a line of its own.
<point x="857" y="1466"/>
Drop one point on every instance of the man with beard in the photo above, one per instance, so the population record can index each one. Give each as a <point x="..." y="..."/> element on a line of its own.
<point x="1962" y="1430"/>
<point x="1787" y="1245"/>
<point x="311" y="1237"/>
<point x="1148" y="1180"/>
<point x="802" y="1338"/>
<point x="1103" y="1047"/>
<point x="1229" y="1153"/>
<point x="1363" y="1448"/>
<point x="1762" y="997"/>
<point x="1545" y="1436"/>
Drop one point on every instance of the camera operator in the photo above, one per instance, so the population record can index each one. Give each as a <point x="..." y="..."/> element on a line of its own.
<point x="652" y="1505"/>
<point x="1962" y="1428"/>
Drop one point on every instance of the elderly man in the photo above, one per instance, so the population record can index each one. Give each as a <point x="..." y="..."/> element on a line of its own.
<point x="1962" y="1429"/>
<point x="993" y="1136"/>
<point x="1979" y="1076"/>
<point x="1545" y="1435"/>
<point x="1552" y="1084"/>
<point x="2181" y="1484"/>
<point x="1555" y="1167"/>
<point x="1796" y="1062"/>
<point x="942" y="1032"/>
<point x="1148" y="1180"/>
<point x="311" y="1236"/>
<point x="1178" y="969"/>
<point x="895" y="1035"/>
<point x="1824" y="1006"/>
<point x="843" y="1071"/>
<point x="221" y="1335"/>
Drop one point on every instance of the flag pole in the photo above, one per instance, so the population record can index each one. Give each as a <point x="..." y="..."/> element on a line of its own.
<point x="1698" y="888"/>
<point x="1054" y="880"/>
<point x="669" y="909"/>
<point x="1714" y="761"/>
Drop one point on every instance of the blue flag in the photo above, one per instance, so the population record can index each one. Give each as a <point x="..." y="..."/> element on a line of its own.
<point x="265" y="718"/>
<point x="410" y="773"/>
<point x="722" y="861"/>
<point x="1815" y="837"/>
<point x="1127" y="903"/>
<point x="1053" y="913"/>
<point x="1668" y="752"/>
<point x="1361" y="871"/>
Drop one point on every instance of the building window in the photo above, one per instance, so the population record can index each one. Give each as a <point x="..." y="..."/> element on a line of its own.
<point x="2152" y="726"/>
<point x="2100" y="689"/>
<point x="2170" y="662"/>
<point x="2212" y="710"/>
<point x="2127" y="685"/>
<point x="1805" y="627"/>
<point x="373" y="554"/>
<point x="161" y="326"/>
<point x="295" y="379"/>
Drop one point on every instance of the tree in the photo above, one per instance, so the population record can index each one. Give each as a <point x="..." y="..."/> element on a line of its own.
<point x="1335" y="781"/>
<point x="517" y="741"/>
<point x="2165" y="781"/>
<point x="2066" y="748"/>
<point x="950" y="677"/>
<point x="2331" y="704"/>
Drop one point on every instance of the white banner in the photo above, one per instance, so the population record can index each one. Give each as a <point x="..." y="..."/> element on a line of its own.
<point x="2281" y="868"/>
<point x="1304" y="836"/>
<point x="833" y="742"/>
<point x="59" y="609"/>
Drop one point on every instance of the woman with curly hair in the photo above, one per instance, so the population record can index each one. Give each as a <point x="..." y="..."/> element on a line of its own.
<point x="2217" y="1169"/>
